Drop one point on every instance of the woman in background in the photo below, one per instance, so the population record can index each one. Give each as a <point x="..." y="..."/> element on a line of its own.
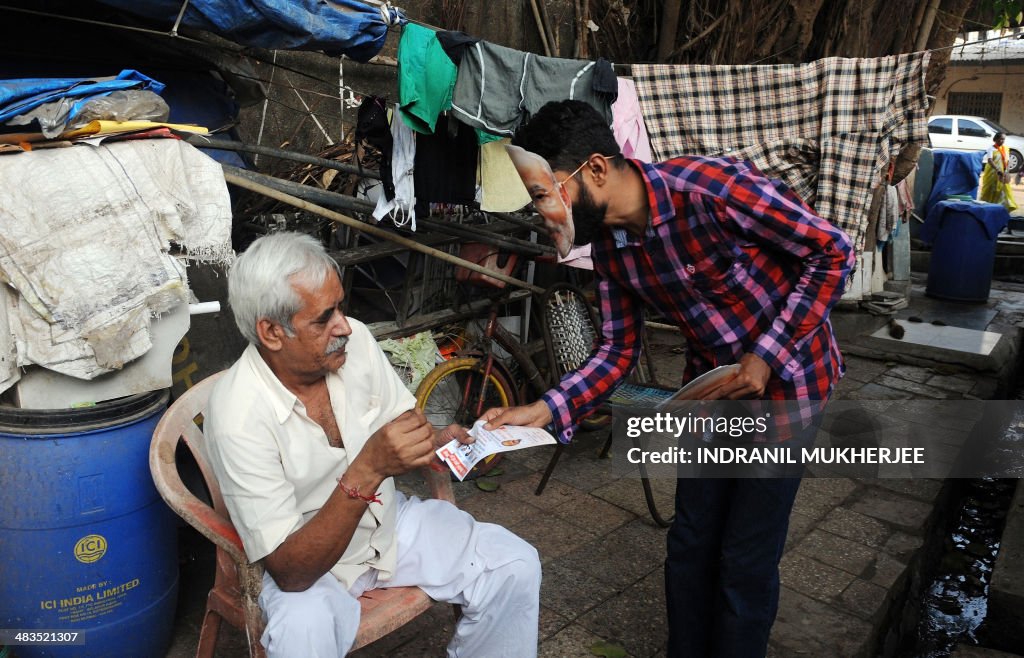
<point x="995" y="179"/>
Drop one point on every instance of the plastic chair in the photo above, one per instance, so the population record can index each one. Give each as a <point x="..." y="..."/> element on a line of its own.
<point x="571" y="331"/>
<point x="235" y="594"/>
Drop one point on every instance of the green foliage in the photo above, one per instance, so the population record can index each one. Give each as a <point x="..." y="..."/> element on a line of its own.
<point x="1007" y="12"/>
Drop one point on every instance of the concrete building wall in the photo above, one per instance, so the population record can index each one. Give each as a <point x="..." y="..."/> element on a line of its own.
<point x="1003" y="78"/>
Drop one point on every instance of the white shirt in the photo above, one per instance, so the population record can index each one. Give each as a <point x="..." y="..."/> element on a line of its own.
<point x="276" y="467"/>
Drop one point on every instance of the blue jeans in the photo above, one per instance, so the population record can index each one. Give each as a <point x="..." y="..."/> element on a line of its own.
<point x="722" y="569"/>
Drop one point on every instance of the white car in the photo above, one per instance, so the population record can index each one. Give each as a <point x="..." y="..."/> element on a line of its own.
<point x="964" y="133"/>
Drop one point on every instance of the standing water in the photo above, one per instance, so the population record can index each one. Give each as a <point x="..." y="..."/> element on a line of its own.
<point x="954" y="602"/>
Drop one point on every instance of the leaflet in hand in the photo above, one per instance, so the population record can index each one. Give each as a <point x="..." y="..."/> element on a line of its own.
<point x="461" y="458"/>
<point x="699" y="387"/>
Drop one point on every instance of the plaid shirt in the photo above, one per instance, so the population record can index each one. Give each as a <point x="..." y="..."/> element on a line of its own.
<point x="739" y="262"/>
<point x="828" y="128"/>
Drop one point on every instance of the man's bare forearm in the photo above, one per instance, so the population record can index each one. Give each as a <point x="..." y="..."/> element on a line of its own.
<point x="312" y="550"/>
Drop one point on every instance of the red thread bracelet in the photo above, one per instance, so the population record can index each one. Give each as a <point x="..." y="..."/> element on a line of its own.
<point x="353" y="492"/>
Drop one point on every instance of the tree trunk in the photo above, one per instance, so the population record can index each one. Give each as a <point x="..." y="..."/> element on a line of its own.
<point x="669" y="27"/>
<point x="943" y="34"/>
<point x="773" y="31"/>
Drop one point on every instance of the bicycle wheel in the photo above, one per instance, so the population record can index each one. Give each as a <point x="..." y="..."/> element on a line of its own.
<point x="442" y="397"/>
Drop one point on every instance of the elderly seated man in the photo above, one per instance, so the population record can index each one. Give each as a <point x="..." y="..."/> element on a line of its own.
<point x="305" y="433"/>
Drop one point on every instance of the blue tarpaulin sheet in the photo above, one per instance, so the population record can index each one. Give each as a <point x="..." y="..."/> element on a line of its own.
<point x="955" y="172"/>
<point x="21" y="95"/>
<point x="345" y="27"/>
<point x="991" y="218"/>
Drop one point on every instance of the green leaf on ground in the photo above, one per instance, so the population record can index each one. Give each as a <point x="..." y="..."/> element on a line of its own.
<point x="494" y="472"/>
<point x="487" y="485"/>
<point x="607" y="649"/>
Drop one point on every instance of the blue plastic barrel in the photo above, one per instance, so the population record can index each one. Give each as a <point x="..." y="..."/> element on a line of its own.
<point x="963" y="236"/>
<point x="86" y="542"/>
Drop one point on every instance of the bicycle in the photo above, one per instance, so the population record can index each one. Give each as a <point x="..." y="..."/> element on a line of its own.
<point x="473" y="380"/>
<point x="461" y="388"/>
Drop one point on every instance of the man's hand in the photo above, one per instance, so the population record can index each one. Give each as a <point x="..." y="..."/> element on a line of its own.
<point x="453" y="431"/>
<point x="536" y="414"/>
<point x="749" y="382"/>
<point x="404" y="444"/>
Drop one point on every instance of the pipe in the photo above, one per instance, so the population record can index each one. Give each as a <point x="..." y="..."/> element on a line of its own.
<point x="203" y="307"/>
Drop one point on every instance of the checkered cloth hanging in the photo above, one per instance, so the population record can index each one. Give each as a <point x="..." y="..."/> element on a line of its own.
<point x="828" y="129"/>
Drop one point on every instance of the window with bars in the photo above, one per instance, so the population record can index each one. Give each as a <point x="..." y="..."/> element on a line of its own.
<point x="976" y="104"/>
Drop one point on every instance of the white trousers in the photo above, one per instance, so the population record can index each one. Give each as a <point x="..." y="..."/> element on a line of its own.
<point x="493" y="574"/>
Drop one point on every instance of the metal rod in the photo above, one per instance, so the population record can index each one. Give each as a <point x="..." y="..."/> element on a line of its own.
<point x="345" y="220"/>
<point x="177" y="22"/>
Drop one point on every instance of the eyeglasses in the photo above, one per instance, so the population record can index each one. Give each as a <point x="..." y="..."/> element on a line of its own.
<point x="552" y="203"/>
<point x="577" y="170"/>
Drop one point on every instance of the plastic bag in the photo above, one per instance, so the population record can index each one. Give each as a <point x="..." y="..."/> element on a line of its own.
<point x="123" y="105"/>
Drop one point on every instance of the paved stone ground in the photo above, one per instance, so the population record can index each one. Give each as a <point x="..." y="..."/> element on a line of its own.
<point x="854" y="544"/>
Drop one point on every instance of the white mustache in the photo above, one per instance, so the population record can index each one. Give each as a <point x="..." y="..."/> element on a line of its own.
<point x="337" y="345"/>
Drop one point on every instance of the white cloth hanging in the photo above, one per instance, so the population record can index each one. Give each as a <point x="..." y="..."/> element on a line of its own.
<point x="402" y="209"/>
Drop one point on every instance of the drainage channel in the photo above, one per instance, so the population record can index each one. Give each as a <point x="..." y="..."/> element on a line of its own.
<point x="953" y="602"/>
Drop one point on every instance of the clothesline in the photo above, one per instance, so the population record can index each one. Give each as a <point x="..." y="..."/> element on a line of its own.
<point x="239" y="51"/>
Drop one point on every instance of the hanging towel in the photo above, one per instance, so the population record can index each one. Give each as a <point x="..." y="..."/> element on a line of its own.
<point x="499" y="88"/>
<point x="402" y="207"/>
<point x="889" y="215"/>
<point x="628" y="123"/>
<point x="426" y="77"/>
<point x="828" y="128"/>
<point x="501" y="188"/>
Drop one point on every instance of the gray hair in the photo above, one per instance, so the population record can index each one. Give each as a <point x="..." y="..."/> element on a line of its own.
<point x="260" y="281"/>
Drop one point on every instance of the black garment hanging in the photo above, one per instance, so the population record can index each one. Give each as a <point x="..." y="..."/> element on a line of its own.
<point x="445" y="166"/>
<point x="372" y="127"/>
<point x="455" y="44"/>
<point x="605" y="83"/>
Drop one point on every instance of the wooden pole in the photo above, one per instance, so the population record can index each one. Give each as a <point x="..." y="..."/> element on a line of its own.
<point x="373" y="230"/>
<point x="206" y="142"/>
<point x="540" y="27"/>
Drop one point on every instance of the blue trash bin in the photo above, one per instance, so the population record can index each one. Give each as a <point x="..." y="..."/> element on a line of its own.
<point x="86" y="542"/>
<point x="963" y="236"/>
